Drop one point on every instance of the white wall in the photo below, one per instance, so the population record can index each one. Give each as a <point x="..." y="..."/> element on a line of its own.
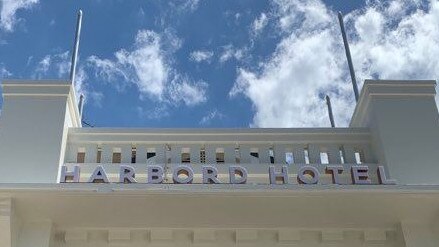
<point x="33" y="130"/>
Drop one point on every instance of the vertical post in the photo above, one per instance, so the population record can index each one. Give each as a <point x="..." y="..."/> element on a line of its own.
<point x="403" y="118"/>
<point x="348" y="56"/>
<point x="331" y="117"/>
<point x="75" y="47"/>
<point x="81" y="105"/>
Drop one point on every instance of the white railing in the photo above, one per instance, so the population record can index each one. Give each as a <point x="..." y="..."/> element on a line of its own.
<point x="304" y="145"/>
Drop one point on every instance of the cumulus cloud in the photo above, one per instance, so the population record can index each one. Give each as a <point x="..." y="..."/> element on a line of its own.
<point x="389" y="40"/>
<point x="148" y="66"/>
<point x="201" y="55"/>
<point x="9" y="8"/>
<point x="144" y="66"/>
<point x="397" y="42"/>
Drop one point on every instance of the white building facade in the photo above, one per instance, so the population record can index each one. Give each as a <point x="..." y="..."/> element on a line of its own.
<point x="374" y="183"/>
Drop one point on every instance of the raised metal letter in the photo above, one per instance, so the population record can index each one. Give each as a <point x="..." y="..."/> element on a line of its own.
<point x="312" y="172"/>
<point x="237" y="170"/>
<point x="73" y="175"/>
<point x="334" y="171"/>
<point x="281" y="176"/>
<point x="155" y="174"/>
<point x="186" y="170"/>
<point x="98" y="175"/>
<point x="127" y="174"/>
<point x="360" y="175"/>
<point x="210" y="175"/>
<point x="383" y="178"/>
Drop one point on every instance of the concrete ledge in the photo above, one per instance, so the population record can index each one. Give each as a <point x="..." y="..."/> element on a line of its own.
<point x="78" y="235"/>
<point x="389" y="89"/>
<point x="244" y="235"/>
<point x="204" y="235"/>
<point x="161" y="235"/>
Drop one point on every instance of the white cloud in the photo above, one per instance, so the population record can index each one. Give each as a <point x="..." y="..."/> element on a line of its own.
<point x="43" y="65"/>
<point x="259" y="24"/>
<point x="57" y="66"/>
<point x="144" y="66"/>
<point x="153" y="112"/>
<point x="182" y="90"/>
<point x="230" y="52"/>
<point x="391" y="40"/>
<point x="185" y="5"/>
<point x="4" y="72"/>
<point x="397" y="45"/>
<point x="108" y="70"/>
<point x="201" y="55"/>
<point x="307" y="14"/>
<point x="96" y="98"/>
<point x="149" y="68"/>
<point x="211" y="116"/>
<point x="191" y="4"/>
<point x="81" y="87"/>
<point x="59" y="62"/>
<point x="8" y="18"/>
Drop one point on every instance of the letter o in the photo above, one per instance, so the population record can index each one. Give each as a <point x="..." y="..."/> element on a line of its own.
<point x="312" y="172"/>
<point x="183" y="170"/>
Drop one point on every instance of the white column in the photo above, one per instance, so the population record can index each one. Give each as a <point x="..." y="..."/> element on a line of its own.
<point x="229" y="153"/>
<point x="71" y="152"/>
<point x="210" y="154"/>
<point x="245" y="154"/>
<point x="279" y="153"/>
<point x="314" y="154"/>
<point x="195" y="153"/>
<point x="334" y="154"/>
<point x="264" y="157"/>
<point x="403" y="119"/>
<point x="141" y="154"/>
<point x="126" y="153"/>
<point x="34" y="122"/>
<point x="107" y="153"/>
<point x="349" y="154"/>
<point x="299" y="156"/>
<point x="90" y="153"/>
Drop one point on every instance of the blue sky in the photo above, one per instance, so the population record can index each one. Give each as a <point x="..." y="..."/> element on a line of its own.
<point x="205" y="63"/>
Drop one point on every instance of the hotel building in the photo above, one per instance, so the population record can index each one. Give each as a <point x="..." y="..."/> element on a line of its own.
<point x="374" y="183"/>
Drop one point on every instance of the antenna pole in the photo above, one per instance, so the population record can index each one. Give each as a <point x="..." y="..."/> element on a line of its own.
<point x="348" y="56"/>
<point x="76" y="47"/>
<point x="81" y="105"/>
<point x="331" y="117"/>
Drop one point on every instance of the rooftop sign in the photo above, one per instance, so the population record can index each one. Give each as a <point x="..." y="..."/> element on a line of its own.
<point x="184" y="174"/>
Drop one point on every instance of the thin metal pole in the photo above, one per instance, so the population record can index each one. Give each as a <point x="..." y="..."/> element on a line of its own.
<point x="331" y="117"/>
<point x="348" y="55"/>
<point x="81" y="105"/>
<point x="76" y="47"/>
